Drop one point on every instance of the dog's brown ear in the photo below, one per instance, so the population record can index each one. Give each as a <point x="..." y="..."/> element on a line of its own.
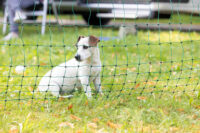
<point x="93" y="40"/>
<point x="80" y="38"/>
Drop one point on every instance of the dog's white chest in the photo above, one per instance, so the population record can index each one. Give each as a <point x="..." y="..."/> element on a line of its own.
<point x="89" y="71"/>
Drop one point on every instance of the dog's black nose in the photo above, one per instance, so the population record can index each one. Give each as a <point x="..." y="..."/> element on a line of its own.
<point x="78" y="57"/>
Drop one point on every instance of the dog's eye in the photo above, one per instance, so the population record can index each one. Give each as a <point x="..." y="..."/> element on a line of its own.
<point x="85" y="47"/>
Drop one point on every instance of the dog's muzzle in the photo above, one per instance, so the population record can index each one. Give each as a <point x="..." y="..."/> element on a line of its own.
<point x="78" y="57"/>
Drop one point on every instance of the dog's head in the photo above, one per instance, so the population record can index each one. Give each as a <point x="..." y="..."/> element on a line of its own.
<point x="85" y="47"/>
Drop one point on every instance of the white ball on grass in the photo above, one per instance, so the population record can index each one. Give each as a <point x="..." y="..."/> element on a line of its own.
<point x="20" y="69"/>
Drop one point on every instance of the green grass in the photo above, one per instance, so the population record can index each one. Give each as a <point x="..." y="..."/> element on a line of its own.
<point x="158" y="91"/>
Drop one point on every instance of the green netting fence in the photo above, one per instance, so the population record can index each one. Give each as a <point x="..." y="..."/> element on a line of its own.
<point x="156" y="54"/>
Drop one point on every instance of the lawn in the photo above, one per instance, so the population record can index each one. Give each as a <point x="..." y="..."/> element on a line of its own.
<point x="150" y="82"/>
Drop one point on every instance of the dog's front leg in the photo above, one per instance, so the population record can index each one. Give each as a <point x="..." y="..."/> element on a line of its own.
<point x="86" y="86"/>
<point x="97" y="84"/>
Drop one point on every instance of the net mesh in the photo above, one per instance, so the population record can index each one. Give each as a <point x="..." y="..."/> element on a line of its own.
<point x="139" y="56"/>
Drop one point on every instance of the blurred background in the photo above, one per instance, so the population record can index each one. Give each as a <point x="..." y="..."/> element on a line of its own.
<point x="122" y="9"/>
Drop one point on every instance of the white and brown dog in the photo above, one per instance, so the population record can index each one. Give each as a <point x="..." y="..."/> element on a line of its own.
<point x="77" y="72"/>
